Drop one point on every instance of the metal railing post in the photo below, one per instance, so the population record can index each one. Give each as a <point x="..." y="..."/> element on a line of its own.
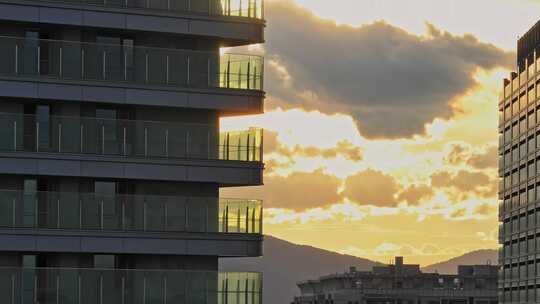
<point x="188" y="78"/>
<point x="228" y="73"/>
<point x="80" y="214"/>
<point x="167" y="70"/>
<point x="206" y="219"/>
<point x="58" y="214"/>
<point x="39" y="60"/>
<point x="167" y="143"/>
<point x="247" y="147"/>
<point x="145" y="142"/>
<point x="247" y="219"/>
<point x="104" y="65"/>
<point x="61" y="65"/>
<point x="253" y="221"/>
<point x="123" y="215"/>
<point x="15" y="136"/>
<point x="82" y="138"/>
<point x="255" y="77"/>
<point x="60" y="137"/>
<point x="147" y="72"/>
<point x="82" y="63"/>
<point x="248" y="74"/>
<point x="144" y="216"/>
<point x="103" y="139"/>
<point x="13" y="212"/>
<point x="186" y="212"/>
<point x="16" y="59"/>
<point x="238" y="220"/>
<point x="37" y="136"/>
<point x="125" y="65"/>
<point x="124" y="145"/>
<point x="12" y="289"/>
<point x="187" y="144"/>
<point x="102" y="216"/>
<point x="261" y="221"/>
<point x="226" y="219"/>
<point x="208" y="73"/>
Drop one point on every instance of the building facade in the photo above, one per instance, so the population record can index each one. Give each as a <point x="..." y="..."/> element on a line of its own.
<point x="519" y="171"/>
<point x="403" y="284"/>
<point x="111" y="153"/>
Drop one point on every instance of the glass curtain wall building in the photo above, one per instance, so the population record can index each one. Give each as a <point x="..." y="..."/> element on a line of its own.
<point x="112" y="156"/>
<point x="519" y="171"/>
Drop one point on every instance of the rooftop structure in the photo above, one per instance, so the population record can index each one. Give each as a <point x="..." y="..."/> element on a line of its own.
<point x="402" y="284"/>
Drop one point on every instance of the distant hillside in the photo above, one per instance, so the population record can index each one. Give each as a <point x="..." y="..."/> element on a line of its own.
<point x="479" y="257"/>
<point x="286" y="263"/>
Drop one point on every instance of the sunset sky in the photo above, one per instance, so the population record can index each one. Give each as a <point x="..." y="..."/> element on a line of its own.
<point x="381" y="123"/>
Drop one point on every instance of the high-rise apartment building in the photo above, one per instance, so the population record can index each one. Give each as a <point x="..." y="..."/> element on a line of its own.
<point x="519" y="171"/>
<point x="111" y="153"/>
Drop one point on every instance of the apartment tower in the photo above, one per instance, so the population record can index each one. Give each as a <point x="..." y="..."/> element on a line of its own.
<point x="519" y="171"/>
<point x="111" y="153"/>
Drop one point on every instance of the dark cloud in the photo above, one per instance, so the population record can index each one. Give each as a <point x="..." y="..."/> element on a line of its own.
<point x="342" y="148"/>
<point x="415" y="194"/>
<point x="298" y="191"/>
<point x="391" y="81"/>
<point x="372" y="187"/>
<point x="488" y="159"/>
<point x="466" y="183"/>
<point x="463" y="154"/>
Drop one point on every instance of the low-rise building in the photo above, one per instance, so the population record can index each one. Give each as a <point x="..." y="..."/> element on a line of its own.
<point x="402" y="284"/>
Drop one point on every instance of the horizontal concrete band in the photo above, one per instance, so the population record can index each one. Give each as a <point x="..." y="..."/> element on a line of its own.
<point x="131" y="243"/>
<point x="222" y="172"/>
<point x="132" y="19"/>
<point x="227" y="101"/>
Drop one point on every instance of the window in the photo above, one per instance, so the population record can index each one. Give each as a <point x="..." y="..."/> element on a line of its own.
<point x="104" y="261"/>
<point x="523" y="173"/>
<point x="523" y="198"/>
<point x="523" y="125"/>
<point x="522" y="149"/>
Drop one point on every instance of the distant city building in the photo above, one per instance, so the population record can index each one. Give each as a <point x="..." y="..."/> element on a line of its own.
<point x="403" y="284"/>
<point x="112" y="156"/>
<point x="519" y="172"/>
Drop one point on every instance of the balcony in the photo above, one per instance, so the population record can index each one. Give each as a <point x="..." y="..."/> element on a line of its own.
<point x="129" y="213"/>
<point x="126" y="138"/>
<point x="71" y="60"/>
<point x="69" y="70"/>
<point x="231" y="8"/>
<point x="115" y="286"/>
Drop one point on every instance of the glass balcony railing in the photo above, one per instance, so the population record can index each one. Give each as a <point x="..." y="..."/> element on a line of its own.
<point x="237" y="8"/>
<point x="116" y="286"/>
<point x="114" y="63"/>
<point x="127" y="138"/>
<point x="147" y="213"/>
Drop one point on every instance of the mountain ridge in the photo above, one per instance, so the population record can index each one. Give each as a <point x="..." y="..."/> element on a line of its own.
<point x="285" y="263"/>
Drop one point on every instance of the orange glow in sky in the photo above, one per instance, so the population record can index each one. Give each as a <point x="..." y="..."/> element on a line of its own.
<point x="339" y="175"/>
